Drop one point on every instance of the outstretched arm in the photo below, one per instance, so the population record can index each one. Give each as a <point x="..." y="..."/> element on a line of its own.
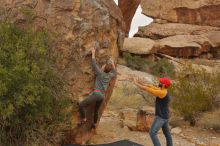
<point x="139" y="85"/>
<point x="113" y="73"/>
<point x="94" y="64"/>
<point x="161" y="93"/>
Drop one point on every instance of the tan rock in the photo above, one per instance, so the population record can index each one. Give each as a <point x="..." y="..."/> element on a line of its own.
<point x="137" y="120"/>
<point x="159" y="31"/>
<point x="176" y="130"/>
<point x="138" y="45"/>
<point x="124" y="72"/>
<point x="144" y="121"/>
<point x="213" y="37"/>
<point x="128" y="9"/>
<point x="204" y="12"/>
<point x="184" y="45"/>
<point x="76" y="25"/>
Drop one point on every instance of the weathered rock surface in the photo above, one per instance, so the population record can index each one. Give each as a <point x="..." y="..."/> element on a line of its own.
<point x="214" y="40"/>
<point x="202" y="12"/>
<point x="125" y="72"/>
<point x="77" y="24"/>
<point x="137" y="120"/>
<point x="128" y="9"/>
<point x="138" y="45"/>
<point x="183" y="28"/>
<point x="184" y="45"/>
<point x="158" y="31"/>
<point x="176" y="130"/>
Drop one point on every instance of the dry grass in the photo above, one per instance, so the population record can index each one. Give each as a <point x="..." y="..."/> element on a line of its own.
<point x="210" y="120"/>
<point x="127" y="96"/>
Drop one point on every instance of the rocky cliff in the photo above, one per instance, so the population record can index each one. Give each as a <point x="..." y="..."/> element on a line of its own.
<point x="76" y="25"/>
<point x="201" y="12"/>
<point x="128" y="9"/>
<point x="181" y="28"/>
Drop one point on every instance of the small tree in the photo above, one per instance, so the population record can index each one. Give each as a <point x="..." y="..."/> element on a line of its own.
<point x="163" y="68"/>
<point x="159" y="68"/>
<point x="33" y="100"/>
<point x="193" y="92"/>
<point x="135" y="62"/>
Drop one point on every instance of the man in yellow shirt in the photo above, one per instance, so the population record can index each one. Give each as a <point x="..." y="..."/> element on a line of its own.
<point x="161" y="109"/>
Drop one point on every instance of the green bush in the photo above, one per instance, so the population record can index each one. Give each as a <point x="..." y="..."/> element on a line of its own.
<point x="34" y="106"/>
<point x="210" y="120"/>
<point x="158" y="68"/>
<point x="135" y="62"/>
<point x="194" y="92"/>
<point x="163" y="68"/>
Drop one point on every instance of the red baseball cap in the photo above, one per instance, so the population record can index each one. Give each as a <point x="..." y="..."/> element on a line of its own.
<point x="165" y="81"/>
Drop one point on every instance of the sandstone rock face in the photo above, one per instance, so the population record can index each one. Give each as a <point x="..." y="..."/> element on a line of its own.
<point x="77" y="24"/>
<point x="138" y="45"/>
<point x="183" y="28"/>
<point x="128" y="9"/>
<point x="203" y="12"/>
<point x="176" y="130"/>
<point x="157" y="31"/>
<point x="125" y="72"/>
<point x="137" y="120"/>
<point x="184" y="45"/>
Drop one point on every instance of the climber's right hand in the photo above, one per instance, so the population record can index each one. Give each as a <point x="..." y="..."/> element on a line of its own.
<point x="93" y="52"/>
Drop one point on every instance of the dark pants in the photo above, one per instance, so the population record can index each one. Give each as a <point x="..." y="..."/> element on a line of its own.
<point x="157" y="124"/>
<point x="91" y="99"/>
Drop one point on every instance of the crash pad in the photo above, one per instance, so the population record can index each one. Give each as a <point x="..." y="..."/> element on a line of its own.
<point x="118" y="143"/>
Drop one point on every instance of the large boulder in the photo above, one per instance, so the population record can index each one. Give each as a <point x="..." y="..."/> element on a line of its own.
<point x="202" y="12"/>
<point x="213" y="37"/>
<point x="137" y="120"/>
<point x="204" y="45"/>
<point x="184" y="45"/>
<point x="158" y="31"/>
<point x="138" y="45"/>
<point x="76" y="25"/>
<point x="128" y="9"/>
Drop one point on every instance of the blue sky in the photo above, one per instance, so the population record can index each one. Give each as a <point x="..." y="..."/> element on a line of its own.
<point x="138" y="20"/>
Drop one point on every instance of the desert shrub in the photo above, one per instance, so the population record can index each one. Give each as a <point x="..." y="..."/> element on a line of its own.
<point x="135" y="62"/>
<point x="194" y="91"/>
<point x="163" y="68"/>
<point x="126" y="96"/>
<point x="210" y="120"/>
<point x="34" y="104"/>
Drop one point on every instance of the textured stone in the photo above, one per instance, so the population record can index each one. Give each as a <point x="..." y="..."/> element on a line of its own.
<point x="144" y="121"/>
<point x="202" y="12"/>
<point x="176" y="130"/>
<point x="184" y="45"/>
<point x="77" y="24"/>
<point x="213" y="37"/>
<point x="137" y="120"/>
<point x="128" y="9"/>
<point x="158" y="31"/>
<point x="138" y="45"/>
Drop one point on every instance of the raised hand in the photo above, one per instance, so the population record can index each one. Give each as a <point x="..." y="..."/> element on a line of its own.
<point x="93" y="52"/>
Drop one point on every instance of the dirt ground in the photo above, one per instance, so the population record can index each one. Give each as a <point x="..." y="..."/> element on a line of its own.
<point x="109" y="130"/>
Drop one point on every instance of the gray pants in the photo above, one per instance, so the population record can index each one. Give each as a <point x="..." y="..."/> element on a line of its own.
<point x="91" y="99"/>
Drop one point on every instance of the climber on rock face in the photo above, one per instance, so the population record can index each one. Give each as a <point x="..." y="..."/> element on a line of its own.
<point x="161" y="109"/>
<point x="103" y="77"/>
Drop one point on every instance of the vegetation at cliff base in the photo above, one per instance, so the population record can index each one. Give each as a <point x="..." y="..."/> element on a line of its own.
<point x="34" y="104"/>
<point x="161" y="67"/>
<point x="194" y="92"/>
